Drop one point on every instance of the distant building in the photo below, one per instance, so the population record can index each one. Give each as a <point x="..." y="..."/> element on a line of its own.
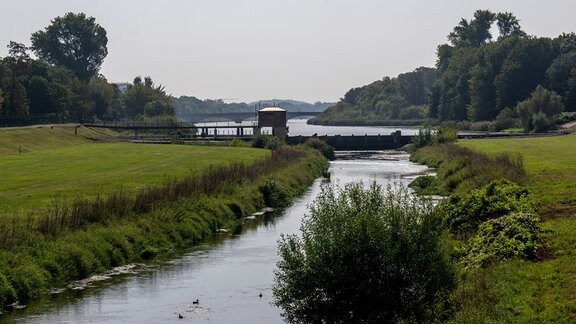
<point x="274" y="117"/>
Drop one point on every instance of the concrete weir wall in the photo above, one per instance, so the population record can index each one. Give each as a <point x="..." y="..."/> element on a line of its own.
<point x="358" y="143"/>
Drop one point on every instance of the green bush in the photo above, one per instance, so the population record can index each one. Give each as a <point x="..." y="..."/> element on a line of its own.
<point x="462" y="169"/>
<point x="7" y="292"/>
<point x="510" y="236"/>
<point x="266" y="141"/>
<point x="446" y="134"/>
<point x="237" y="143"/>
<point x="464" y="213"/>
<point x="365" y="256"/>
<point x="273" y="194"/>
<point x="428" y="185"/>
<point x="320" y="145"/>
<point x="423" y="138"/>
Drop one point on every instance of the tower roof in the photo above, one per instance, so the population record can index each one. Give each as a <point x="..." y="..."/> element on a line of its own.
<point x="272" y="109"/>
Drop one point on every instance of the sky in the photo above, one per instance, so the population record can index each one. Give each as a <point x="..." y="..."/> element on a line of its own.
<point x="248" y="50"/>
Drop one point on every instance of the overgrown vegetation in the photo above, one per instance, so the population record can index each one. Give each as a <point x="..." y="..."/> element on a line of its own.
<point x="462" y="170"/>
<point x="427" y="137"/>
<point x="323" y="147"/>
<point x="266" y="141"/>
<point x="514" y="235"/>
<point x="366" y="255"/>
<point x="464" y="213"/>
<point x="427" y="185"/>
<point x="513" y="266"/>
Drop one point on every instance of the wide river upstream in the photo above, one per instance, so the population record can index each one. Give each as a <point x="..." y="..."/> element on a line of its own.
<point x="225" y="275"/>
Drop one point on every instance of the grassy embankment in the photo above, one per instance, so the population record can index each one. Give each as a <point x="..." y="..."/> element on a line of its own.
<point x="517" y="290"/>
<point x="72" y="207"/>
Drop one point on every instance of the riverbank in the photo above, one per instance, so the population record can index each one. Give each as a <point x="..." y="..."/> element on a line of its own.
<point x="518" y="290"/>
<point x="74" y="241"/>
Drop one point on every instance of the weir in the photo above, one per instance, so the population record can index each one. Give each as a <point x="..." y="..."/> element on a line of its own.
<point x="358" y="143"/>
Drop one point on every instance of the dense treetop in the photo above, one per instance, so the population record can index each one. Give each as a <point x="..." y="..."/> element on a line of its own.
<point x="74" y="41"/>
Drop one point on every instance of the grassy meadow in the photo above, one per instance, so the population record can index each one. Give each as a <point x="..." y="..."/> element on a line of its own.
<point x="35" y="179"/>
<point x="544" y="290"/>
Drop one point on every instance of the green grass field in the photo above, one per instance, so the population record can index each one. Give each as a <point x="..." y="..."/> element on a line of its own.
<point x="57" y="165"/>
<point x="542" y="291"/>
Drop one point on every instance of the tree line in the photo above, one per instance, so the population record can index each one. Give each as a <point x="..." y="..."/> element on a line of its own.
<point x="517" y="79"/>
<point x="512" y="80"/>
<point x="63" y="82"/>
<point x="403" y="97"/>
<point x="188" y="105"/>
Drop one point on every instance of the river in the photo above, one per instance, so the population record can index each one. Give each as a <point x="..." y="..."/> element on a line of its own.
<point x="226" y="274"/>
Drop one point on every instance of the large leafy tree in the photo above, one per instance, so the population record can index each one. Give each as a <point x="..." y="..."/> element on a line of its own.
<point x="537" y="112"/>
<point x="144" y="99"/>
<point x="74" y="41"/>
<point x="473" y="33"/>
<point x="365" y="256"/>
<point x="508" y="25"/>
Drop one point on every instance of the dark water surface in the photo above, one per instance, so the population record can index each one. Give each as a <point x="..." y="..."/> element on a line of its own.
<point x="226" y="274"/>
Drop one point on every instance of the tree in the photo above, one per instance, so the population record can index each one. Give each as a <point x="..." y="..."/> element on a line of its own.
<point x="365" y="256"/>
<point x="508" y="25"/>
<point x="537" y="111"/>
<point x="74" y="41"/>
<point x="102" y="94"/>
<point x="474" y="33"/>
<point x="18" y="63"/>
<point x="146" y="100"/>
<point x="561" y="78"/>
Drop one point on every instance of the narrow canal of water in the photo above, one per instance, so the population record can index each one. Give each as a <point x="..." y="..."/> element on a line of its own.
<point x="225" y="275"/>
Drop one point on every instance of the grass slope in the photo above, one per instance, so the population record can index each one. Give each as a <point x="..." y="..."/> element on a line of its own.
<point x="36" y="138"/>
<point x="543" y="291"/>
<point x="59" y="165"/>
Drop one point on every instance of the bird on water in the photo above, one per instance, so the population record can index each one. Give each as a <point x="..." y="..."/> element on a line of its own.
<point x="196" y="302"/>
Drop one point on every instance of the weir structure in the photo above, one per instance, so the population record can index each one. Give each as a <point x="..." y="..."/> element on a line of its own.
<point x="358" y="143"/>
<point x="269" y="117"/>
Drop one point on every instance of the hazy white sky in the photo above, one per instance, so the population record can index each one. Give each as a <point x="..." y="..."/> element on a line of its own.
<point x="311" y="50"/>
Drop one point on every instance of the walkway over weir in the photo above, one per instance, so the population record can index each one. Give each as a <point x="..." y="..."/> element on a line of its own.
<point x="358" y="143"/>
